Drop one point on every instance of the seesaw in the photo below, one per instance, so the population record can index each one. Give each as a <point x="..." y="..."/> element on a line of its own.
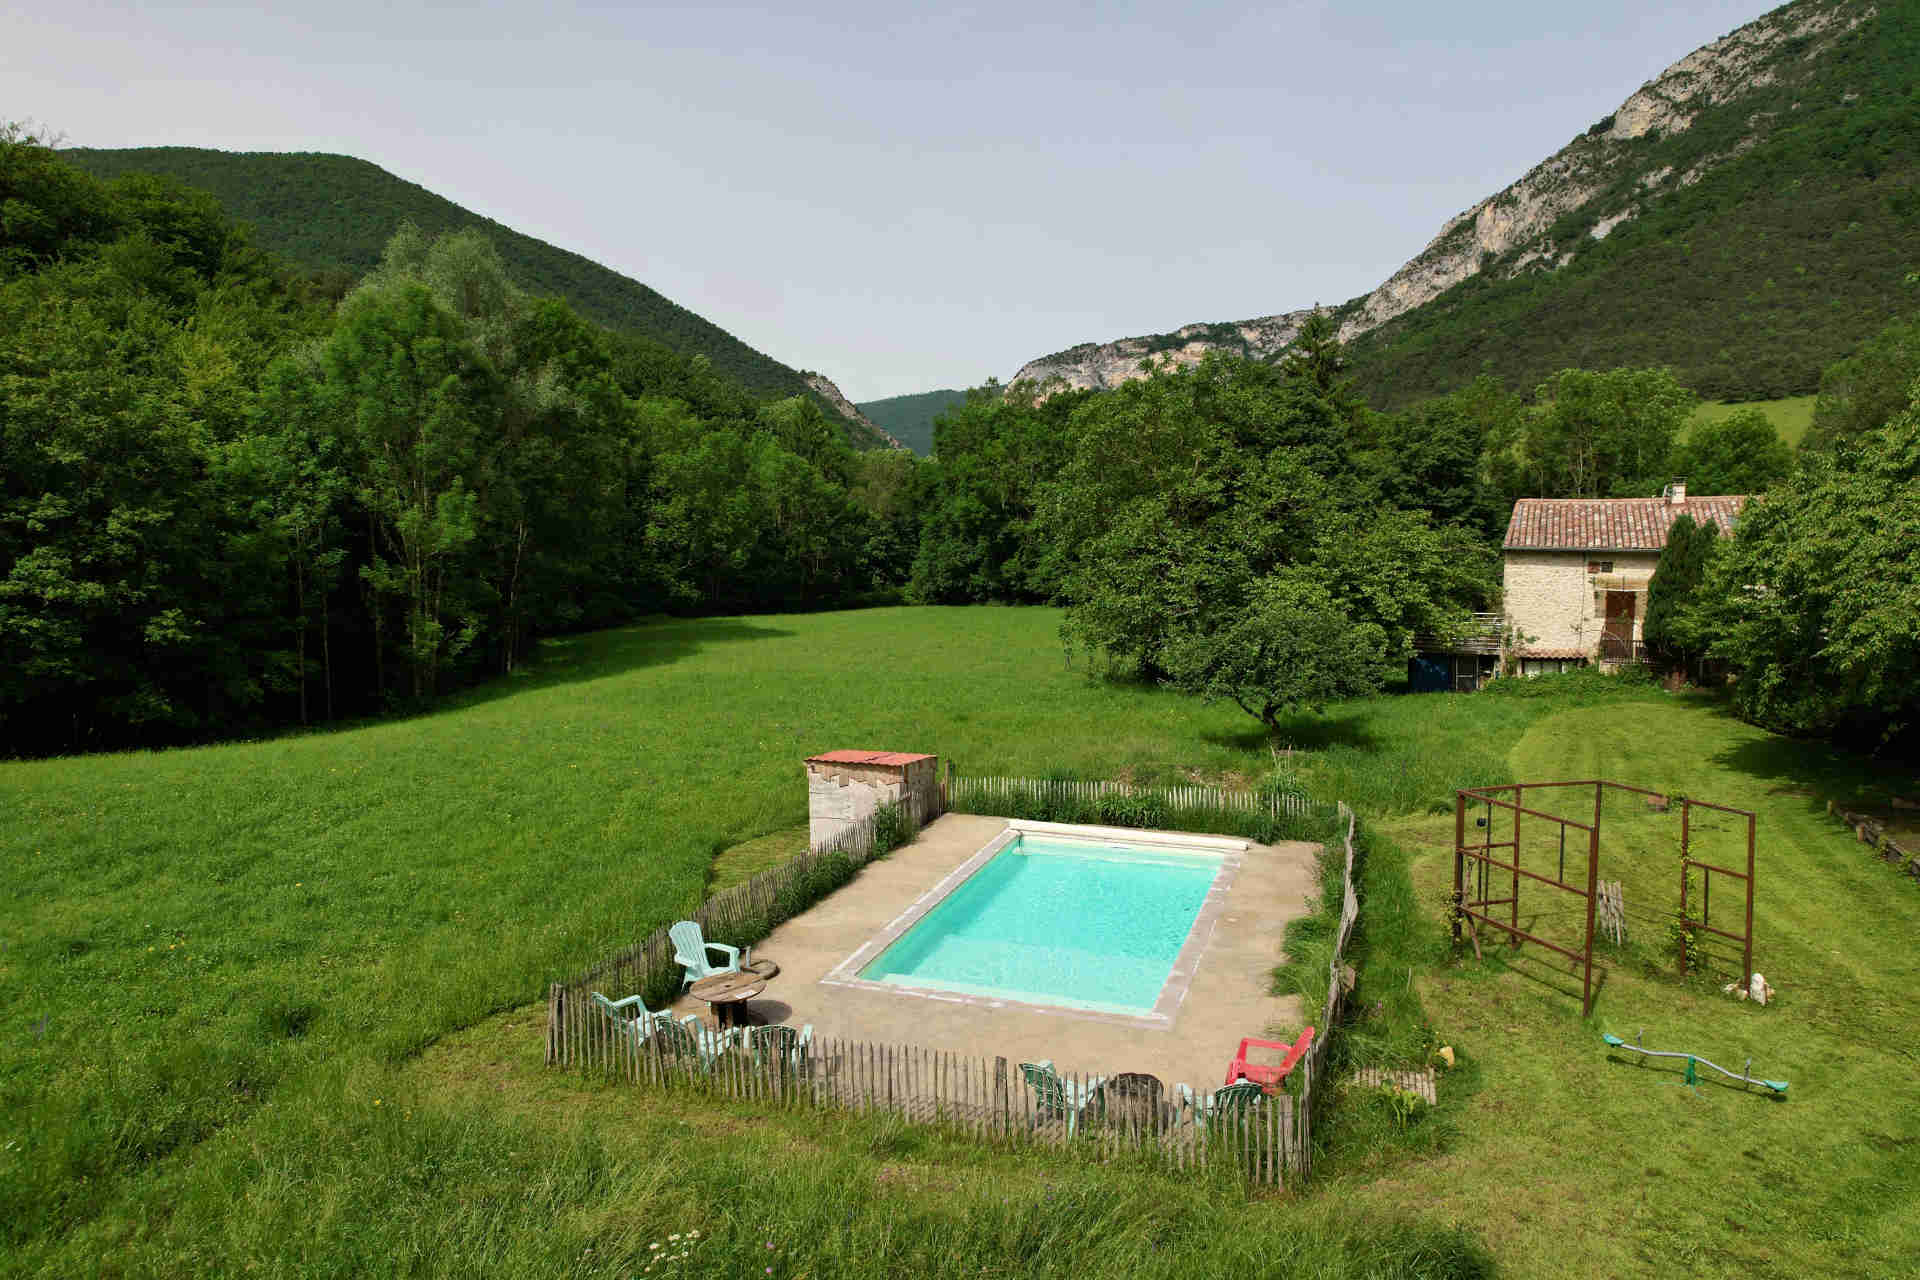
<point x="1693" y="1076"/>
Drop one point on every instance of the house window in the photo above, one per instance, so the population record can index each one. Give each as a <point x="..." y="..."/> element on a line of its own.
<point x="1599" y="566"/>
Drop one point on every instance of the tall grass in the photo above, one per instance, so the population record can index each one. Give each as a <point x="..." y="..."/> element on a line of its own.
<point x="455" y="1171"/>
<point x="217" y="961"/>
<point x="194" y="939"/>
<point x="1271" y="810"/>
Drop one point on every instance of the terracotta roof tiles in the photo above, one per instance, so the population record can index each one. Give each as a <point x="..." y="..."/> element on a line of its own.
<point x="867" y="757"/>
<point x="1609" y="524"/>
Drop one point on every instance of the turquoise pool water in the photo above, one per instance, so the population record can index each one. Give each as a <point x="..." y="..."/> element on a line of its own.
<point x="1057" y="921"/>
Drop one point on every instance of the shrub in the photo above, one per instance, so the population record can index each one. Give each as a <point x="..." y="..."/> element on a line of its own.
<point x="1580" y="685"/>
<point x="1136" y="809"/>
<point x="891" y="829"/>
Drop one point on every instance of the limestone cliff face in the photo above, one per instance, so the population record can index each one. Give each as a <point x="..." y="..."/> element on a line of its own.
<point x="1102" y="365"/>
<point x="824" y="388"/>
<point x="1510" y="230"/>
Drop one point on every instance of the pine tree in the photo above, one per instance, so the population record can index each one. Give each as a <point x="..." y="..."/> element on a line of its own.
<point x="1683" y="563"/>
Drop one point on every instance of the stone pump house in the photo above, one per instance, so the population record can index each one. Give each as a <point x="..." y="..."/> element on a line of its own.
<point x="1577" y="571"/>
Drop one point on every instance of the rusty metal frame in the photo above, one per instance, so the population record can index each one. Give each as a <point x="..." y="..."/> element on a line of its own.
<point x="1482" y="856"/>
<point x="1688" y="862"/>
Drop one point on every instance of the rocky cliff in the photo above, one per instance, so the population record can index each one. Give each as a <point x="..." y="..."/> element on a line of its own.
<point x="858" y="422"/>
<point x="1524" y="227"/>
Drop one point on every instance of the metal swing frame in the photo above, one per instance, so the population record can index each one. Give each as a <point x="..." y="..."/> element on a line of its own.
<point x="1474" y="910"/>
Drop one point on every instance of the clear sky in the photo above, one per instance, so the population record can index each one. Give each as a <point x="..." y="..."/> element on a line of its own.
<point x="901" y="201"/>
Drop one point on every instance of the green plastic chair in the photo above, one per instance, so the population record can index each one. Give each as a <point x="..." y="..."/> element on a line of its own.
<point x="636" y="1027"/>
<point x="1231" y="1100"/>
<point x="690" y="949"/>
<point x="690" y="1040"/>
<point x="1057" y="1098"/>
<point x="781" y="1042"/>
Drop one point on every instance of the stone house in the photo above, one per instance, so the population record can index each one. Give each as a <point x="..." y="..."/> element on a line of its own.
<point x="1576" y="573"/>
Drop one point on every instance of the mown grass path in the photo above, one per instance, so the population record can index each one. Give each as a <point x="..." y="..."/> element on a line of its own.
<point x="1571" y="1161"/>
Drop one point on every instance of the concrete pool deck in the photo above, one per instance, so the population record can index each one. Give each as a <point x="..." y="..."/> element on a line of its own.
<point x="1228" y="996"/>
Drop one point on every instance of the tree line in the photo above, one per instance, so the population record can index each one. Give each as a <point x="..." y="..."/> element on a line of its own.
<point x="1810" y="607"/>
<point x="236" y="496"/>
<point x="332" y="215"/>
<point x="233" y="499"/>
<point x="1258" y="533"/>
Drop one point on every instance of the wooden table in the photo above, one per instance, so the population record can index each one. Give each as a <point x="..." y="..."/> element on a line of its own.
<point x="725" y="993"/>
<point x="1134" y="1098"/>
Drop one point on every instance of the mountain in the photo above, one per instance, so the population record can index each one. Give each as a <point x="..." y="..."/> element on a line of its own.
<point x="334" y="213"/>
<point x="909" y="419"/>
<point x="1746" y="218"/>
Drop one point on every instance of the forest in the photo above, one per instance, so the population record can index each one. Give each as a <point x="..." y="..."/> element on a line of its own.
<point x="333" y="215"/>
<point x="238" y="495"/>
<point x="232" y="500"/>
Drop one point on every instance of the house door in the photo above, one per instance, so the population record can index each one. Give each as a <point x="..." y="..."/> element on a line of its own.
<point x="1616" y="642"/>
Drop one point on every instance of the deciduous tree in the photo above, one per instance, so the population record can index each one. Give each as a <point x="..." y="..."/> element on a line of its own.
<point x="1814" y="599"/>
<point x="1741" y="453"/>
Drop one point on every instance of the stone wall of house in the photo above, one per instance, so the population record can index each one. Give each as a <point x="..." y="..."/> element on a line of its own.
<point x="841" y="793"/>
<point x="1554" y="603"/>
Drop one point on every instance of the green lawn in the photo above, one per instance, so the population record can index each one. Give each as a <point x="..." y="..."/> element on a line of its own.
<point x="260" y="999"/>
<point x="211" y="955"/>
<point x="1791" y="415"/>
<point x="1571" y="1161"/>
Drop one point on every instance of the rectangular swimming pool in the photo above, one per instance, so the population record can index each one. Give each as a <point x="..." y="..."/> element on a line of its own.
<point x="1092" y="919"/>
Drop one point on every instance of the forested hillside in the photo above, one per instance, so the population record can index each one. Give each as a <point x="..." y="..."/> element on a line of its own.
<point x="909" y="419"/>
<point x="1788" y="249"/>
<point x="231" y="499"/>
<point x="334" y="214"/>
<point x="230" y="502"/>
<point x="1746" y="218"/>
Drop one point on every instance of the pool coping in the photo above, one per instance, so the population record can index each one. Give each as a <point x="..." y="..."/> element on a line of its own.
<point x="1232" y="854"/>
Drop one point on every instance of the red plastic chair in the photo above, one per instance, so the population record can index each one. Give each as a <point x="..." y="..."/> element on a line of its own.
<point x="1268" y="1078"/>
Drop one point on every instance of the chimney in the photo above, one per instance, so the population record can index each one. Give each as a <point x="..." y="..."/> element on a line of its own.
<point x="1677" y="493"/>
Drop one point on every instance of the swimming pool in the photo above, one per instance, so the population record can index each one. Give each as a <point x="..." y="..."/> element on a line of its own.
<point x="1087" y="918"/>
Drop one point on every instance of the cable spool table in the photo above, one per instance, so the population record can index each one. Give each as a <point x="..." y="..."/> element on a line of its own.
<point x="726" y="993"/>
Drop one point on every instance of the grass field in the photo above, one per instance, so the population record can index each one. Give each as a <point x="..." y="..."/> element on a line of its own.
<point x="213" y="958"/>
<point x="1570" y="1160"/>
<point x="1791" y="416"/>
<point x="262" y="1002"/>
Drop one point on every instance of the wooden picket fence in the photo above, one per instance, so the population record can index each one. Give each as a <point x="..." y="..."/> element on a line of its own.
<point x="739" y="916"/>
<point x="985" y="1097"/>
<point x="1312" y="1068"/>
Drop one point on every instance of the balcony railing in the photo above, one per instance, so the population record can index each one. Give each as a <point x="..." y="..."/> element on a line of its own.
<point x="1482" y="635"/>
<point x="1621" y="649"/>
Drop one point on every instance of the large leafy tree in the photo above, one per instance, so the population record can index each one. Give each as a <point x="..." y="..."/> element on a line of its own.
<point x="981" y="537"/>
<point x="47" y="208"/>
<point x="1431" y="456"/>
<point x="412" y="398"/>
<point x="1869" y="388"/>
<point x="1814" y="600"/>
<point x="1215" y="541"/>
<point x="1596" y="435"/>
<point x="1738" y="454"/>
